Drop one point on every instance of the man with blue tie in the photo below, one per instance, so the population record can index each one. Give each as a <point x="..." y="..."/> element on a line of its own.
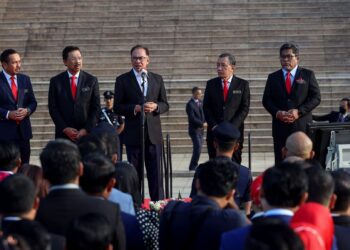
<point x="196" y="122"/>
<point x="17" y="103"/>
<point x="290" y="95"/>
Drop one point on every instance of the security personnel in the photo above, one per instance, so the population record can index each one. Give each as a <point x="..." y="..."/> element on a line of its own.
<point x="107" y="114"/>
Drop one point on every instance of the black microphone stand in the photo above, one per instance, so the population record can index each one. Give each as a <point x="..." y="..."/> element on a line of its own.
<point x="143" y="138"/>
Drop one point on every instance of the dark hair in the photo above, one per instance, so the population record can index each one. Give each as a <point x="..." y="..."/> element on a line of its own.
<point x="89" y="232"/>
<point x="35" y="173"/>
<point x="67" y="50"/>
<point x="17" y="195"/>
<point x="291" y="46"/>
<point x="194" y="89"/>
<point x="4" y="57"/>
<point x="217" y="177"/>
<point x="60" y="160"/>
<point x="98" y="171"/>
<point x="9" y="155"/>
<point x="108" y="137"/>
<point x="284" y="185"/>
<point x="91" y="144"/>
<point x="346" y="100"/>
<point x="138" y="46"/>
<point x="231" y="58"/>
<point x="271" y="234"/>
<point x="321" y="185"/>
<point x="341" y="189"/>
<point x="225" y="146"/>
<point x="128" y="181"/>
<point x="32" y="232"/>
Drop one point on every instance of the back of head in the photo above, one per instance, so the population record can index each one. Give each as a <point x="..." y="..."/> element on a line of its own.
<point x="17" y="195"/>
<point x="285" y="185"/>
<point x="226" y="136"/>
<point x="98" y="171"/>
<point x="35" y="173"/>
<point x="321" y="185"/>
<point x="128" y="181"/>
<point x="217" y="177"/>
<point x="60" y="160"/>
<point x="300" y="145"/>
<point x="9" y="156"/>
<point x="341" y="190"/>
<point x="89" y="232"/>
<point x="90" y="144"/>
<point x="33" y="233"/>
<point x="271" y="234"/>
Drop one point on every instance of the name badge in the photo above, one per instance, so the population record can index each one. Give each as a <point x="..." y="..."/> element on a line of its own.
<point x="85" y="89"/>
<point x="237" y="92"/>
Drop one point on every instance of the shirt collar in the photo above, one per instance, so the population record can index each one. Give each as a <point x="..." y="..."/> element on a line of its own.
<point x="137" y="74"/>
<point x="12" y="218"/>
<point x="278" y="211"/>
<point x="7" y="172"/>
<point x="76" y="75"/>
<point x="292" y="72"/>
<point x="64" y="186"/>
<point x="8" y="76"/>
<point x="229" y="80"/>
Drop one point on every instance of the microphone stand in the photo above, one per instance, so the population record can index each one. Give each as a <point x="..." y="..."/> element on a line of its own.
<point x="143" y="138"/>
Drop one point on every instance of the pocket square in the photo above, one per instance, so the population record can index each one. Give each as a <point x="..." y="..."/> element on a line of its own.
<point x="300" y="80"/>
<point x="237" y="92"/>
<point x="85" y="89"/>
<point x="26" y="91"/>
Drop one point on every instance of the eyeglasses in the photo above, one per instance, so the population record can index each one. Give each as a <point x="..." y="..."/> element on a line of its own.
<point x="222" y="65"/>
<point x="289" y="57"/>
<point x="141" y="58"/>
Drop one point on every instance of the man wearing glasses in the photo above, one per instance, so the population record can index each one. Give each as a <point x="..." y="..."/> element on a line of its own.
<point x="290" y="95"/>
<point x="132" y="90"/>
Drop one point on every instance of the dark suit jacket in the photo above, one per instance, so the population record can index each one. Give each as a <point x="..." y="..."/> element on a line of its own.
<point x="195" y="114"/>
<point x="128" y="94"/>
<point x="196" y="225"/>
<point x="331" y="117"/>
<point x="61" y="206"/>
<point x="78" y="114"/>
<point x="26" y="99"/>
<point x="305" y="96"/>
<point x="236" y="107"/>
<point x="342" y="231"/>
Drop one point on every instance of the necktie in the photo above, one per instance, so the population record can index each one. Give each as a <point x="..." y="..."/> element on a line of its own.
<point x="225" y="90"/>
<point x="73" y="87"/>
<point x="288" y="83"/>
<point x="14" y="88"/>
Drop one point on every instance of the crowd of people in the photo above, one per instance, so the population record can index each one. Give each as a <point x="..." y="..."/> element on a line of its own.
<point x="82" y="196"/>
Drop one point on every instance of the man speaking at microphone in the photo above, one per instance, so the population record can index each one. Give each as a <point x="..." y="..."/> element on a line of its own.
<point x="132" y="90"/>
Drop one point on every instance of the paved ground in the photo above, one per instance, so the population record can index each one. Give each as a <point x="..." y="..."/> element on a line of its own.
<point x="182" y="178"/>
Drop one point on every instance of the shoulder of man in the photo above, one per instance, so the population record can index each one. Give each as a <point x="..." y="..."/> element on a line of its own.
<point x="241" y="80"/>
<point x="213" y="81"/>
<point x="124" y="75"/>
<point x="58" y="76"/>
<point x="87" y="75"/>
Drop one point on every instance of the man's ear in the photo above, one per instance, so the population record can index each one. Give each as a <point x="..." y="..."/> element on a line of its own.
<point x="304" y="198"/>
<point x="236" y="147"/>
<point x="332" y="201"/>
<point x="80" y="169"/>
<point x="230" y="194"/>
<point x="198" y="185"/>
<point x="284" y="152"/>
<point x="312" y="154"/>
<point x="110" y="184"/>
<point x="36" y="203"/>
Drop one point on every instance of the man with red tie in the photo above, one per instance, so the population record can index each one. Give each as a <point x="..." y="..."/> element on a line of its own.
<point x="226" y="98"/>
<point x="17" y="103"/>
<point x="74" y="98"/>
<point x="290" y="95"/>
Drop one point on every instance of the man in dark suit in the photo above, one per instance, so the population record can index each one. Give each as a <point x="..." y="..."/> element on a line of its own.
<point x="132" y="90"/>
<point x="199" y="224"/>
<point x="17" y="103"/>
<point x="196" y="122"/>
<point x="343" y="115"/>
<point x="226" y="98"/>
<point x="62" y="167"/>
<point x="290" y="95"/>
<point x="74" y="98"/>
<point x="341" y="208"/>
<point x="284" y="189"/>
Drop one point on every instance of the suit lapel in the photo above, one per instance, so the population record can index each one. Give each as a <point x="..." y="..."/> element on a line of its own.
<point x="6" y="87"/>
<point x="282" y="82"/>
<point x="233" y="84"/>
<point x="67" y="87"/>
<point x="20" y="88"/>
<point x="80" y="84"/>
<point x="135" y="84"/>
<point x="297" y="76"/>
<point x="150" y="85"/>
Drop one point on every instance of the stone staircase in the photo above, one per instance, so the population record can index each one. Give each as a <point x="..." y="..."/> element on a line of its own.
<point x="184" y="37"/>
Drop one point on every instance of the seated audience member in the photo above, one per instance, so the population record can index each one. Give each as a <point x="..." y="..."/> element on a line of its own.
<point x="226" y="137"/>
<point x="284" y="189"/>
<point x="321" y="184"/>
<point x="91" y="144"/>
<point x="199" y="224"/>
<point x="341" y="208"/>
<point x="313" y="223"/>
<point x="62" y="167"/>
<point x="272" y="234"/>
<point x="299" y="145"/>
<point x="343" y="115"/>
<point x="98" y="181"/>
<point x="89" y="232"/>
<point x="18" y="207"/>
<point x="128" y="182"/>
<point x="10" y="159"/>
<point x="35" y="173"/>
